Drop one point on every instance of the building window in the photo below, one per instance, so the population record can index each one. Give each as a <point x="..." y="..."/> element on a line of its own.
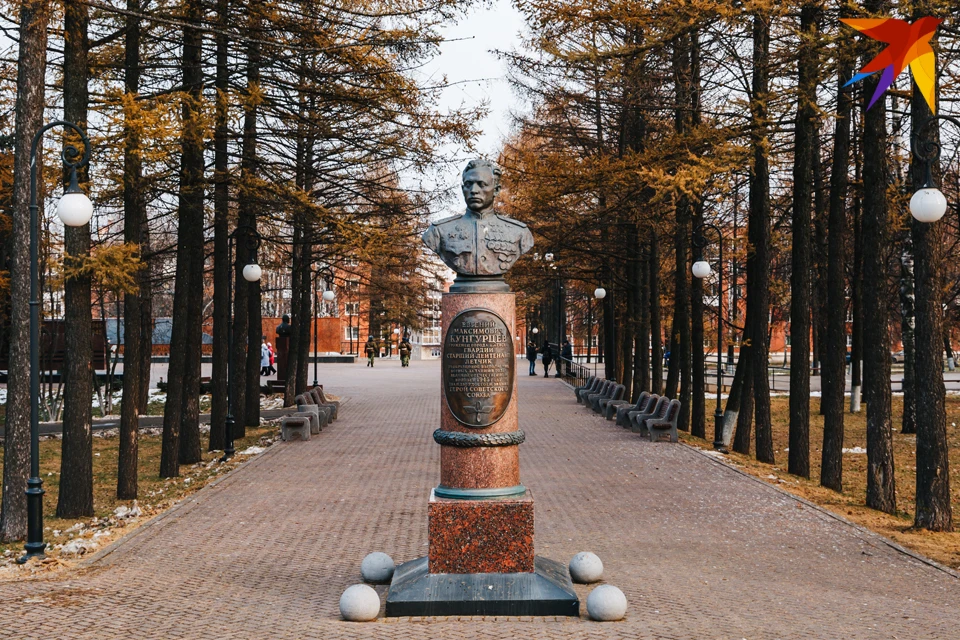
<point x="351" y="308"/>
<point x="352" y="333"/>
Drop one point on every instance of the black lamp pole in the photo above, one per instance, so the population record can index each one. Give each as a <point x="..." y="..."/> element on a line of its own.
<point x="316" y="315"/>
<point x="73" y="160"/>
<point x="560" y="327"/>
<point x="699" y="241"/>
<point x="253" y="239"/>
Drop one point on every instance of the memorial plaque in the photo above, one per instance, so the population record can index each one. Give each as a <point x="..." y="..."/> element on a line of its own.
<point x="478" y="367"/>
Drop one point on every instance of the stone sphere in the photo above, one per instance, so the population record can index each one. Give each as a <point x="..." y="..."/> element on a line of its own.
<point x="585" y="568"/>
<point x="377" y="568"/>
<point x="359" y="603"/>
<point x="606" y="603"/>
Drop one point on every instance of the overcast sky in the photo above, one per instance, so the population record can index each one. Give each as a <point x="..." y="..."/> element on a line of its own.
<point x="466" y="59"/>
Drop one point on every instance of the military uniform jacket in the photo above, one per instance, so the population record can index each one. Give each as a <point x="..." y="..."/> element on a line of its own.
<point x="479" y="246"/>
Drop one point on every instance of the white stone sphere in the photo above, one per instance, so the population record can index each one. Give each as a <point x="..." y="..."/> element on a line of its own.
<point x="585" y="568"/>
<point x="377" y="568"/>
<point x="359" y="603"/>
<point x="606" y="603"/>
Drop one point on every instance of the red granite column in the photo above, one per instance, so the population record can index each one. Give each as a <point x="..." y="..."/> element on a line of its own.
<point x="481" y="517"/>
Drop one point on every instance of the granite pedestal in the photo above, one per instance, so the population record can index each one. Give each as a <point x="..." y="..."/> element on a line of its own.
<point x="481" y="518"/>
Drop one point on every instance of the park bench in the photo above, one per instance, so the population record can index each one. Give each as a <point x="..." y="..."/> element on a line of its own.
<point x="611" y="407"/>
<point x="599" y="392"/>
<point x="636" y="418"/>
<point x="312" y="413"/>
<point x="589" y="384"/>
<point x="306" y="402"/>
<point x="600" y="406"/>
<point x="294" y="428"/>
<point x="321" y="400"/>
<point x="593" y="387"/>
<point x="666" y="426"/>
<point x="612" y="391"/>
<point x="644" y="404"/>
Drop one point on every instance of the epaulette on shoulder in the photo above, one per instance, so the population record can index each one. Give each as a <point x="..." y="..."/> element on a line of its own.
<point x="448" y="219"/>
<point x="512" y="221"/>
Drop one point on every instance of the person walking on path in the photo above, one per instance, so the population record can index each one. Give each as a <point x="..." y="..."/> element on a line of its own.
<point x="566" y="357"/>
<point x="264" y="358"/>
<point x="405" y="350"/>
<point x="371" y="350"/>
<point x="547" y="357"/>
<point x="273" y="358"/>
<point x="532" y="357"/>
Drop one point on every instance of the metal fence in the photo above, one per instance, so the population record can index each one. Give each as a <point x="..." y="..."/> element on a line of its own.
<point x="574" y="373"/>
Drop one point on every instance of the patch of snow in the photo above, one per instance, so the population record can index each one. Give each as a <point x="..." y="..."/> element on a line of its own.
<point x="251" y="451"/>
<point x="78" y="547"/>
<point x="124" y="512"/>
<point x="860" y="450"/>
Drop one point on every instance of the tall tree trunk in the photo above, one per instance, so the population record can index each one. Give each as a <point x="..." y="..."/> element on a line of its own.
<point x="183" y="384"/>
<point x="75" y="497"/>
<point x="800" y="304"/>
<point x="31" y="66"/>
<point x="933" y="463"/>
<point x="221" y="242"/>
<point x="681" y="290"/>
<point x="145" y="284"/>
<point x="296" y="290"/>
<point x="856" y="287"/>
<point x="881" y="492"/>
<point x="656" y="332"/>
<point x="698" y="425"/>
<point x="247" y="216"/>
<point x="134" y="219"/>
<point x="698" y="411"/>
<point x="758" y="262"/>
<point x="833" y="354"/>
<point x="744" y="415"/>
<point x="738" y="388"/>
<point x="641" y="346"/>
<point x="908" y="422"/>
<point x="193" y="162"/>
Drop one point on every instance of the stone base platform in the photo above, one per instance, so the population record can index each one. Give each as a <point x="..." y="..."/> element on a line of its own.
<point x="547" y="591"/>
<point x="481" y="536"/>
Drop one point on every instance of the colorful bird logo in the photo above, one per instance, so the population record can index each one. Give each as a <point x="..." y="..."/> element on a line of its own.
<point x="909" y="45"/>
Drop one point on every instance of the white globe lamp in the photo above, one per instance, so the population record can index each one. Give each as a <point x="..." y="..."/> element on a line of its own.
<point x="252" y="272"/>
<point x="328" y="296"/>
<point x="600" y="293"/>
<point x="701" y="269"/>
<point x="536" y="331"/>
<point x="928" y="205"/>
<point x="75" y="209"/>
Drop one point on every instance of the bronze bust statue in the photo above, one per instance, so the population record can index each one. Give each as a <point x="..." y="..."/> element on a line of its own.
<point x="479" y="242"/>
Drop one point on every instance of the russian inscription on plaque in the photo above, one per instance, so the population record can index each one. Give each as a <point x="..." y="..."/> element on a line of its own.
<point x="478" y="367"/>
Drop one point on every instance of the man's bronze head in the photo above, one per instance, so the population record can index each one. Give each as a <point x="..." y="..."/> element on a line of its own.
<point x="481" y="184"/>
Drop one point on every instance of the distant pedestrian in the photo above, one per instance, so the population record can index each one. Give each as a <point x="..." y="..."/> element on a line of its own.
<point x="370" y="349"/>
<point x="566" y="355"/>
<point x="546" y="357"/>
<point x="405" y="350"/>
<point x="264" y="358"/>
<point x="532" y="357"/>
<point x="273" y="358"/>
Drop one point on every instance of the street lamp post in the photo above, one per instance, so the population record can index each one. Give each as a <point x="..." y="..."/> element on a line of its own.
<point x="74" y="210"/>
<point x="599" y="293"/>
<point x="701" y="269"/>
<point x="251" y="273"/>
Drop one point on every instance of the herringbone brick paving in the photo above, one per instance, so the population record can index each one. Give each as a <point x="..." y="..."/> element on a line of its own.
<point x="699" y="550"/>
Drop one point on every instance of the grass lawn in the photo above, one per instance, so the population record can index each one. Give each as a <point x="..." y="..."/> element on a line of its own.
<point x="942" y="547"/>
<point x="155" y="493"/>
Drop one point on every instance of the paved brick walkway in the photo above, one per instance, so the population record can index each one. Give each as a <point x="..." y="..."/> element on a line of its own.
<point x="699" y="550"/>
